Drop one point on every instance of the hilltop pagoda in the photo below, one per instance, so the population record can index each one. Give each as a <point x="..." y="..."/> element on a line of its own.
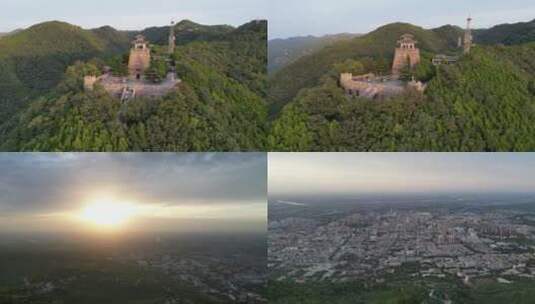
<point x="137" y="83"/>
<point x="139" y="60"/>
<point x="372" y="86"/>
<point x="407" y="54"/>
<point x="172" y="39"/>
<point x="468" y="38"/>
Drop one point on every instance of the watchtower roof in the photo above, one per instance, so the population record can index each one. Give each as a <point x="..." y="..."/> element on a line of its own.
<point x="139" y="39"/>
<point x="407" y="38"/>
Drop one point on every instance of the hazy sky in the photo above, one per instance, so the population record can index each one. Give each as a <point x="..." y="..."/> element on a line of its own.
<point x="49" y="188"/>
<point x="131" y="14"/>
<point x="286" y="17"/>
<point x="318" y="17"/>
<point x="360" y="173"/>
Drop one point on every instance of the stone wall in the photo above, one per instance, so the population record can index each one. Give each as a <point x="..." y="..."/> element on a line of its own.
<point x="354" y="85"/>
<point x="89" y="82"/>
<point x="407" y="54"/>
<point x="116" y="85"/>
<point x="372" y="87"/>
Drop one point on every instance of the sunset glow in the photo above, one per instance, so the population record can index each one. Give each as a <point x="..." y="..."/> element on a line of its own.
<point x="107" y="213"/>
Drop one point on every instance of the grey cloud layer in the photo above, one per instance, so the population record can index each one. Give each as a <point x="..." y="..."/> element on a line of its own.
<point x="48" y="182"/>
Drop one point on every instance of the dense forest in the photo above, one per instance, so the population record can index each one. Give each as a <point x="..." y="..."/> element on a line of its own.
<point x="219" y="106"/>
<point x="484" y="102"/>
<point x="401" y="289"/>
<point x="342" y="293"/>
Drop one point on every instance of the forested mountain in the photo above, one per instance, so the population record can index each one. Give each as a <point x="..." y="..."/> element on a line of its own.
<point x="218" y="106"/>
<point x="282" y="52"/>
<point x="33" y="61"/>
<point x="485" y="102"/>
<point x="508" y="34"/>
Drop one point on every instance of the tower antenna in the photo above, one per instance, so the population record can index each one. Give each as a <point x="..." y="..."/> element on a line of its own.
<point x="172" y="38"/>
<point x="468" y="38"/>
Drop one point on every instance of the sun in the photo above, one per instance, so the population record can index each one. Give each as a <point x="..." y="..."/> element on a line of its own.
<point x="107" y="213"/>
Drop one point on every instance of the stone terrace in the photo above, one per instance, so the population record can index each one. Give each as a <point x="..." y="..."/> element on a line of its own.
<point x="116" y="85"/>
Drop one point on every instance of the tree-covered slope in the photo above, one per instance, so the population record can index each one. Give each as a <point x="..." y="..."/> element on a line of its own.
<point x="241" y="55"/>
<point x="33" y="60"/>
<point x="375" y="50"/>
<point x="219" y="105"/>
<point x="485" y="102"/>
<point x="114" y="41"/>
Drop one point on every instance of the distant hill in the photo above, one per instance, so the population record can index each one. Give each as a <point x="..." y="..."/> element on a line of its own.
<point x="285" y="51"/>
<point x="379" y="44"/>
<point x="10" y="33"/>
<point x="508" y="34"/>
<point x="186" y="31"/>
<point x="114" y="41"/>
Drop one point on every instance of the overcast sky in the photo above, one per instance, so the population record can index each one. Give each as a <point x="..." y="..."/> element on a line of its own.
<point x="363" y="173"/>
<point x="223" y="187"/>
<point x="128" y="14"/>
<point x="319" y="17"/>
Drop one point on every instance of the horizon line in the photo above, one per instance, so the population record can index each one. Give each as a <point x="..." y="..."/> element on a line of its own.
<point x="389" y="23"/>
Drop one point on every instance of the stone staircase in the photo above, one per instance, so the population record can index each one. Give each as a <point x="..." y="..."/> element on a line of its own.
<point x="369" y="92"/>
<point x="127" y="94"/>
